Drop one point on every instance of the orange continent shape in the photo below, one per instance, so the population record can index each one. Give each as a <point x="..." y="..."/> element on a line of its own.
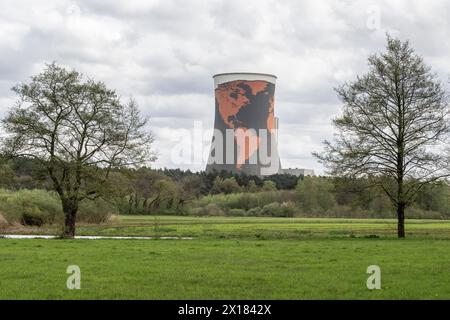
<point x="248" y="143"/>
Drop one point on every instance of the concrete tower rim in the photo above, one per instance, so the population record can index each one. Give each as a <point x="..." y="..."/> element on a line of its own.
<point x="244" y="73"/>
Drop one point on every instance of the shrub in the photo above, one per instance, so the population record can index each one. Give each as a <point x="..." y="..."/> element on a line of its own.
<point x="252" y="187"/>
<point x="414" y="212"/>
<point x="210" y="209"/>
<point x="3" y="222"/>
<point x="315" y="194"/>
<point x="271" y="209"/>
<point x="33" y="218"/>
<point x="254" y="211"/>
<point x="269" y="186"/>
<point x="285" y="209"/>
<point x="246" y="201"/>
<point x="35" y="204"/>
<point x="195" y="211"/>
<point x="288" y="209"/>
<point x="237" y="212"/>
<point x="213" y="210"/>
<point x="227" y="186"/>
<point x="38" y="207"/>
<point x="94" y="211"/>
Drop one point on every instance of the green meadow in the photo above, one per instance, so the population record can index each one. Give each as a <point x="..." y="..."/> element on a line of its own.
<point x="233" y="258"/>
<point x="264" y="228"/>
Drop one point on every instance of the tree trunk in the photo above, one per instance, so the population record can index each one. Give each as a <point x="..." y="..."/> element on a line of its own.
<point x="70" y="209"/>
<point x="401" y="220"/>
<point x="130" y="204"/>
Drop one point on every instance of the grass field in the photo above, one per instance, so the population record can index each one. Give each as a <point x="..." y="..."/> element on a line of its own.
<point x="257" y="227"/>
<point x="234" y="258"/>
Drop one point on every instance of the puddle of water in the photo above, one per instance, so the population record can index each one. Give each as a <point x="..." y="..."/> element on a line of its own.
<point x="27" y="236"/>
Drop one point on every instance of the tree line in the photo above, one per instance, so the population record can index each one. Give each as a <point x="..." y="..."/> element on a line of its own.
<point x="146" y="191"/>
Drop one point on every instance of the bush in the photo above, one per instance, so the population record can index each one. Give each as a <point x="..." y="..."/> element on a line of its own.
<point x="36" y="205"/>
<point x="237" y="212"/>
<point x="285" y="209"/>
<point x="213" y="210"/>
<point x="288" y="209"/>
<point x="3" y="222"/>
<point x="94" y="211"/>
<point x="270" y="209"/>
<point x="33" y="219"/>
<point x="210" y="209"/>
<point x="269" y="186"/>
<point x="246" y="201"/>
<point x="316" y="194"/>
<point x="414" y="212"/>
<point x="314" y="197"/>
<point x="254" y="212"/>
<point x="227" y="186"/>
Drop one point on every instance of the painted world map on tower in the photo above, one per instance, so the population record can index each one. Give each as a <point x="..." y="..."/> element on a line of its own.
<point x="244" y="105"/>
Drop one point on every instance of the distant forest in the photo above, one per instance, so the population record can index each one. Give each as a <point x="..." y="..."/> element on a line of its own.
<point x="26" y="195"/>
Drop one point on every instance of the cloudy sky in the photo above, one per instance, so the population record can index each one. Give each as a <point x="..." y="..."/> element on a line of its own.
<point x="163" y="53"/>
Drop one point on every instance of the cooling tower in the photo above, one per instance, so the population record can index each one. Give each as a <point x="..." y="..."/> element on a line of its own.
<point x="245" y="127"/>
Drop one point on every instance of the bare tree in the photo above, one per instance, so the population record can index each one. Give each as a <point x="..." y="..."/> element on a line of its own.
<point x="78" y="130"/>
<point x="394" y="121"/>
